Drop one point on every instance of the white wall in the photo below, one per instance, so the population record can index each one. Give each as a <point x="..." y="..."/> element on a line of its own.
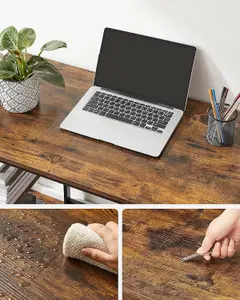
<point x="211" y="25"/>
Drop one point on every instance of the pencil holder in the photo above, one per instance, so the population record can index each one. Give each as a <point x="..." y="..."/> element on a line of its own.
<point x="220" y="133"/>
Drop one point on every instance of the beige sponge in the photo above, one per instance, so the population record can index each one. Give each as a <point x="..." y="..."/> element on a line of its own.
<point x="79" y="237"/>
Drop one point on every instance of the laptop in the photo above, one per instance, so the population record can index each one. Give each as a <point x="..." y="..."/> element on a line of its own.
<point x="139" y="94"/>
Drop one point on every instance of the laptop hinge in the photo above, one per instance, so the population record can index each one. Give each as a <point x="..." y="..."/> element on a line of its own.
<point x="123" y="94"/>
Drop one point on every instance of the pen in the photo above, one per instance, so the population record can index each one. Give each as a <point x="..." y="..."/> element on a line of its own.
<point x="231" y="111"/>
<point x="222" y="95"/>
<point x="230" y="108"/>
<point x="223" y="100"/>
<point x="216" y="113"/>
<point x="216" y="105"/>
<point x="238" y="96"/>
<point x="195" y="255"/>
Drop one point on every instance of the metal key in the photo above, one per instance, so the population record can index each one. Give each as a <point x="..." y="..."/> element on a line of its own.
<point x="195" y="255"/>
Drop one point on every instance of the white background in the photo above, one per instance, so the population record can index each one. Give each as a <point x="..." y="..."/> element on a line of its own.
<point x="213" y="26"/>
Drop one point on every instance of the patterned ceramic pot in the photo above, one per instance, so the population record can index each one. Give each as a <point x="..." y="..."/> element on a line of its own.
<point x="19" y="96"/>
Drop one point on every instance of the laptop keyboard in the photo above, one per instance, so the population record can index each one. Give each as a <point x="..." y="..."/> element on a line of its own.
<point x="127" y="111"/>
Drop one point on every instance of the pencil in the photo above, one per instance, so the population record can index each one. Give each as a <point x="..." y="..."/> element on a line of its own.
<point x="211" y="99"/>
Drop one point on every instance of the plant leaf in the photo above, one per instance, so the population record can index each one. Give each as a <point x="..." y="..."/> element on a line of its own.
<point x="6" y="74"/>
<point x="53" y="45"/>
<point x="7" y="65"/>
<point x="10" y="57"/>
<point x="1" y="34"/>
<point x="19" y="65"/>
<point x="26" y="37"/>
<point x="35" y="60"/>
<point x="9" y="39"/>
<point x="49" y="73"/>
<point x="7" y="69"/>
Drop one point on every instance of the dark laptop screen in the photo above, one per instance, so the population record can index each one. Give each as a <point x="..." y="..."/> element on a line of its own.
<point x="150" y="69"/>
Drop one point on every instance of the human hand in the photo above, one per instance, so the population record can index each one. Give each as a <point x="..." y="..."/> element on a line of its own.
<point x="109" y="233"/>
<point x="223" y="235"/>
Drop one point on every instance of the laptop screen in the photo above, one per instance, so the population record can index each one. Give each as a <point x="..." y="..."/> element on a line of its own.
<point x="149" y="69"/>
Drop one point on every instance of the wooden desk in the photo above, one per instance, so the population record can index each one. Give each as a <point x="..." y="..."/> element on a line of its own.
<point x="34" y="267"/>
<point x="154" y="241"/>
<point x="189" y="170"/>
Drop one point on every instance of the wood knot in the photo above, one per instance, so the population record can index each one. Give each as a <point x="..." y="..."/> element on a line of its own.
<point x="52" y="158"/>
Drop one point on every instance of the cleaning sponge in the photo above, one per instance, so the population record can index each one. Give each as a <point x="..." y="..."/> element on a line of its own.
<point x="79" y="237"/>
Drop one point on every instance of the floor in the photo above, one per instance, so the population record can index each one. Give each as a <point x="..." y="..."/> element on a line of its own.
<point x="154" y="241"/>
<point x="32" y="265"/>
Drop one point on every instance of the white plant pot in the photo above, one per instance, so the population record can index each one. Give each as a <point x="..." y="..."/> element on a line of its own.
<point x="19" y="96"/>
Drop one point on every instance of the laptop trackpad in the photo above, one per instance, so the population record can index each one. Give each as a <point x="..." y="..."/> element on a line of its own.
<point x="116" y="132"/>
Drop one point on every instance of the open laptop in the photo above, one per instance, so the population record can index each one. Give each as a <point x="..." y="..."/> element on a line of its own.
<point x="139" y="93"/>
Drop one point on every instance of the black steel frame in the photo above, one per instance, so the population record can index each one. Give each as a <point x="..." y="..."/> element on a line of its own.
<point x="67" y="196"/>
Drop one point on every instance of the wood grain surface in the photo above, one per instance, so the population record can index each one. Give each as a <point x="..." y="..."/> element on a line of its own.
<point x="154" y="241"/>
<point x="32" y="265"/>
<point x="189" y="170"/>
<point x="45" y="198"/>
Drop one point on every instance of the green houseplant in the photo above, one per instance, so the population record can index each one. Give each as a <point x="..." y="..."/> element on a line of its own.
<point x="20" y="73"/>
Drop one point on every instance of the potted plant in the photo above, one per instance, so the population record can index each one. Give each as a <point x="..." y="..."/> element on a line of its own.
<point x="20" y="73"/>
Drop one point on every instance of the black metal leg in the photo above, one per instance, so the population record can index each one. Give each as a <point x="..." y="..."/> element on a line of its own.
<point x="67" y="194"/>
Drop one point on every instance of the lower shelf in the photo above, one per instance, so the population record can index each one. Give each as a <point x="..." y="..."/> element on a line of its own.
<point x="46" y="199"/>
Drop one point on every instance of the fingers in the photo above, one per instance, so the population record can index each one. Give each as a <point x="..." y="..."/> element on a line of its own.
<point x="231" y="248"/>
<point x="94" y="226"/>
<point x="101" y="257"/>
<point x="216" y="250"/>
<point x="109" y="233"/>
<point x="97" y="255"/>
<point x="207" y="257"/>
<point x="112" y="226"/>
<point x="104" y="232"/>
<point x="224" y="247"/>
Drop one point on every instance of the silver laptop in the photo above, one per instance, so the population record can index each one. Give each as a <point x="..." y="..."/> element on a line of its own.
<point x="139" y="93"/>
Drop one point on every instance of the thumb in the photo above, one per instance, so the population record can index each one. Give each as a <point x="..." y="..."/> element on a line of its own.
<point x="97" y="255"/>
<point x="207" y="244"/>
